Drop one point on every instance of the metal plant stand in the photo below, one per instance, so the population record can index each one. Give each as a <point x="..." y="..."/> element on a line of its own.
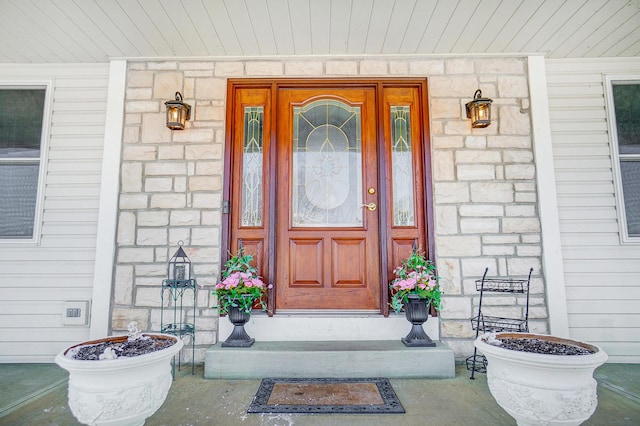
<point x="484" y="323"/>
<point x="176" y="323"/>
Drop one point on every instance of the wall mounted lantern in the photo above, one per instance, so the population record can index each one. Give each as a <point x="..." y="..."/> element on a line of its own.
<point x="177" y="113"/>
<point x="479" y="110"/>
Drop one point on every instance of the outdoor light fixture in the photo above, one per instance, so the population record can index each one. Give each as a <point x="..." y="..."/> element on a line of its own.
<point x="177" y="113"/>
<point x="179" y="273"/>
<point x="479" y="110"/>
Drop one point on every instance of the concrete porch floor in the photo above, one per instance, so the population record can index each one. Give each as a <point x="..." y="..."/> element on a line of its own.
<point x="36" y="394"/>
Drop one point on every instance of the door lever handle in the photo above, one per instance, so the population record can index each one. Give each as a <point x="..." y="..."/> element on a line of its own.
<point x="370" y="206"/>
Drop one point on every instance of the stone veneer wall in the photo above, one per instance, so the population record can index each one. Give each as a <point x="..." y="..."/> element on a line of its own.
<point x="484" y="182"/>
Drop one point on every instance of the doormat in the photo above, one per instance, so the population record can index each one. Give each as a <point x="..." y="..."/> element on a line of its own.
<point x="326" y="396"/>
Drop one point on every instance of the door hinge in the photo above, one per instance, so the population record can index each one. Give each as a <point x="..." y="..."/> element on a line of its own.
<point x="225" y="207"/>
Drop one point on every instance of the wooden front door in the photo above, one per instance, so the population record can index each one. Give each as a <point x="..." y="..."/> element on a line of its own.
<point x="327" y="196"/>
<point x="328" y="187"/>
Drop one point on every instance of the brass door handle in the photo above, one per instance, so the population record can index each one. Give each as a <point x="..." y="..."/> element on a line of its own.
<point x="370" y="206"/>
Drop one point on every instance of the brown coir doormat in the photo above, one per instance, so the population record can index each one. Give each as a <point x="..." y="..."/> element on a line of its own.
<point x="323" y="396"/>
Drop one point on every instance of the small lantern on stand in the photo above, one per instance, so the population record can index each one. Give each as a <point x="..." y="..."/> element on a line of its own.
<point x="479" y="110"/>
<point x="179" y="267"/>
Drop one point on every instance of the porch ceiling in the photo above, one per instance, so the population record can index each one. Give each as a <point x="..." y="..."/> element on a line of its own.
<point x="59" y="31"/>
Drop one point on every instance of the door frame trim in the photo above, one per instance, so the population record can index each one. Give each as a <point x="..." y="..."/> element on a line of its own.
<point x="378" y="84"/>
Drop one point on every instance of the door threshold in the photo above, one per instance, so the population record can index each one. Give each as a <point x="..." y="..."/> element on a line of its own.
<point x="326" y="313"/>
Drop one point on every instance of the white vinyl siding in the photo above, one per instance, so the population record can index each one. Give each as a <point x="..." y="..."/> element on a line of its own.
<point x="38" y="278"/>
<point x="602" y="276"/>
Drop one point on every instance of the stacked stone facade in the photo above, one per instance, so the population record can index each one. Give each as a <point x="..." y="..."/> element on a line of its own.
<point x="485" y="195"/>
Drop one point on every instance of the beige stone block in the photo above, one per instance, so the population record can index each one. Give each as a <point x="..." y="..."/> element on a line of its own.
<point x="211" y="218"/>
<point x="163" y="184"/>
<point x="149" y="296"/>
<point x="154" y="270"/>
<point x="520" y="225"/>
<point x="459" y="66"/>
<point x="123" y="288"/>
<point x="205" y="183"/>
<point x="185" y="217"/>
<point x="153" y="218"/>
<point x="303" y="68"/>
<point x="209" y="168"/>
<point x="529" y="251"/>
<point x="460" y="329"/>
<point x="520" y="171"/>
<point x="456" y="307"/>
<point x="457" y="127"/>
<point x="131" y="179"/>
<point x="163" y="66"/>
<point x="141" y="106"/>
<point x="133" y="201"/>
<point x="138" y="94"/>
<point x="509" y="142"/>
<point x="454" y="192"/>
<point x="209" y="113"/>
<point x="519" y="266"/>
<point x="203" y="152"/>
<point x="132" y="119"/>
<point x="513" y="122"/>
<point x="205" y="236"/>
<point x="526" y="197"/>
<point x="168" y="201"/>
<point x="443" y="142"/>
<point x="179" y="184"/>
<point x="121" y="317"/>
<point x="531" y="239"/>
<point x="437" y="127"/>
<point x="126" y="228"/>
<point x="154" y="129"/>
<point x="193" y="135"/>
<point x="371" y="67"/>
<point x="134" y="255"/>
<point x="445" y="108"/>
<point x="446" y="220"/>
<point x="398" y="67"/>
<point x="197" y="74"/>
<point x="520" y="156"/>
<point x="166" y="84"/>
<point x="175" y="168"/>
<point x="526" y="210"/>
<point x="491" y="192"/>
<point x="503" y="311"/>
<point x="341" y="67"/>
<point x="497" y="250"/>
<point x="449" y="272"/>
<point x="475" y="142"/>
<point x="181" y="234"/>
<point x="513" y="86"/>
<point x="171" y="152"/>
<point x="264" y="68"/>
<point x="453" y="86"/>
<point x="458" y="246"/>
<point x="139" y="153"/>
<point x="474" y="156"/>
<point x="443" y="168"/>
<point x="479" y="226"/>
<point x="210" y="88"/>
<point x="474" y="172"/>
<point x="500" y="239"/>
<point x="229" y="69"/>
<point x="137" y="65"/>
<point x="499" y="66"/>
<point x="139" y="79"/>
<point x="481" y="210"/>
<point x="428" y="67"/>
<point x="188" y="65"/>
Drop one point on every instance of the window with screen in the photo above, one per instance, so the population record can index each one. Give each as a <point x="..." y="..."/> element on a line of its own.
<point x="625" y="95"/>
<point x="21" y="122"/>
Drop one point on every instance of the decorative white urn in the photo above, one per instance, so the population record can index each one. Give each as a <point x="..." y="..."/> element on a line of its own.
<point x="542" y="389"/>
<point x="121" y="391"/>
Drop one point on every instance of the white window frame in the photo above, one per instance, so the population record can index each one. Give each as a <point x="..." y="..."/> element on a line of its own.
<point x="47" y="85"/>
<point x="609" y="79"/>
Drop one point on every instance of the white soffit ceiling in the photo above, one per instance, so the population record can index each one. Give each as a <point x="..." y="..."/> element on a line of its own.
<point x="59" y="31"/>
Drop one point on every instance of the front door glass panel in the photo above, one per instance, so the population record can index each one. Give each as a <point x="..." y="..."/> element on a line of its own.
<point x="327" y="165"/>
<point x="252" y="154"/>
<point x="402" y="167"/>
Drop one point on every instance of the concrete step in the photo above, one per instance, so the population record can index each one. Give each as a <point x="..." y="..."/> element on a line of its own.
<point x="329" y="359"/>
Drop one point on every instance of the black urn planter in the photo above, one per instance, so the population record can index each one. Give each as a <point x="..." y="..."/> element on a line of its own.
<point x="238" y="337"/>
<point x="417" y="313"/>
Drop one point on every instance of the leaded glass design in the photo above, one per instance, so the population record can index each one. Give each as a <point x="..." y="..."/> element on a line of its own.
<point x="402" y="167"/>
<point x="252" y="167"/>
<point x="327" y="165"/>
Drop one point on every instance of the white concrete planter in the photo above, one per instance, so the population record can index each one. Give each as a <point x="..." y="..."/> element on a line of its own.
<point x="122" y="391"/>
<point x="540" y="389"/>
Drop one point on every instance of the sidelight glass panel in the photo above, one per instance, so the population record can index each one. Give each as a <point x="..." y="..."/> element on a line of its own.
<point x="252" y="167"/>
<point x="327" y="165"/>
<point x="402" y="167"/>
